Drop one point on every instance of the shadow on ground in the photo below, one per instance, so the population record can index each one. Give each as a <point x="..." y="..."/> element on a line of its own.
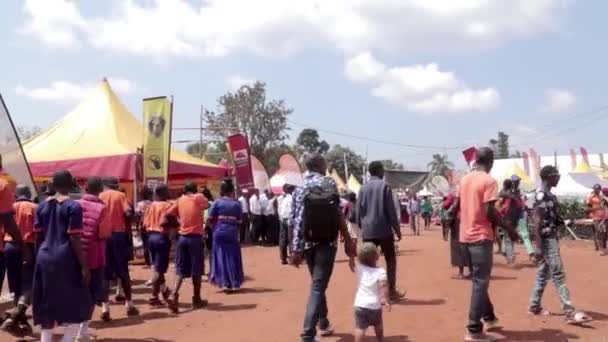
<point x="421" y="302"/>
<point x="552" y="335"/>
<point x="130" y="321"/>
<point x="371" y="337"/>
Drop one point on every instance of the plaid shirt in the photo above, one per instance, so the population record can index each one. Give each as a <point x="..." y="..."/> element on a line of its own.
<point x="312" y="179"/>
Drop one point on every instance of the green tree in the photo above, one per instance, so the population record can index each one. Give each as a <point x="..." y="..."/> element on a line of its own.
<point x="273" y="154"/>
<point x="440" y="165"/>
<point x="25" y="133"/>
<point x="500" y="145"/>
<point x="516" y="154"/>
<point x="335" y="160"/>
<point x="248" y="111"/>
<point x="389" y="164"/>
<point x="309" y="141"/>
<point x="213" y="153"/>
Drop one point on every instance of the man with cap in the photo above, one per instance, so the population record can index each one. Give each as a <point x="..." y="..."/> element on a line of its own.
<point x="597" y="203"/>
<point x="550" y="265"/>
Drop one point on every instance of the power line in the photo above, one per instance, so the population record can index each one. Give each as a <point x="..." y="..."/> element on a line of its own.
<point x="588" y="118"/>
<point x="375" y="140"/>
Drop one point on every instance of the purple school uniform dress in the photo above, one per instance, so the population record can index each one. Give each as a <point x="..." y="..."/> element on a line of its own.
<point x="226" y="263"/>
<point x="58" y="294"/>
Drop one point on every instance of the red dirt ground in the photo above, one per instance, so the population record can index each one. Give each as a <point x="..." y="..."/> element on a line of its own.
<point x="271" y="306"/>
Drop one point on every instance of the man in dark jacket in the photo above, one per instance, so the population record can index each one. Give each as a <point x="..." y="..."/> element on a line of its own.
<point x="379" y="221"/>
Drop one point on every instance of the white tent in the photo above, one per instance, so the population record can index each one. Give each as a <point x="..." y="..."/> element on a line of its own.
<point x="569" y="187"/>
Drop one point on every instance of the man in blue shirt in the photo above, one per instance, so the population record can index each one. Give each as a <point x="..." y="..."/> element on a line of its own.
<point x="379" y="221"/>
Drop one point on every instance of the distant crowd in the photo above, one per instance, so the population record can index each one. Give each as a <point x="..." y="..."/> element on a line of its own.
<point x="64" y="250"/>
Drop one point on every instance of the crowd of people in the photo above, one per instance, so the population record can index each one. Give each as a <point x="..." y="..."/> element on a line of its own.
<point x="63" y="253"/>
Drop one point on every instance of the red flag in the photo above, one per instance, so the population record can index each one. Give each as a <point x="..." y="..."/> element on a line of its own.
<point x="535" y="163"/>
<point x="470" y="154"/>
<point x="572" y="159"/>
<point x="241" y="158"/>
<point x="526" y="163"/>
<point x="585" y="155"/>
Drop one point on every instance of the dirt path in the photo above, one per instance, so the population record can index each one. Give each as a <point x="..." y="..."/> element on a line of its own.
<point x="271" y="307"/>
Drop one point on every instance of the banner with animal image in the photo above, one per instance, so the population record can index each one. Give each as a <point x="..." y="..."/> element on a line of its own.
<point x="158" y="115"/>
<point x="241" y="159"/>
<point x="13" y="163"/>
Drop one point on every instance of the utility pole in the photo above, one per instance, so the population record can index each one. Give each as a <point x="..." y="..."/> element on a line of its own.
<point x="200" y="141"/>
<point x="345" y="168"/>
<point x="365" y="164"/>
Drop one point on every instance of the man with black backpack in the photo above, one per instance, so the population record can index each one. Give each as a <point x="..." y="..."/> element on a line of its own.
<point x="317" y="220"/>
<point x="379" y="221"/>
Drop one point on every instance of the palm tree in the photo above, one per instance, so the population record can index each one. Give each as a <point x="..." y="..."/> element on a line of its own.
<point x="440" y="165"/>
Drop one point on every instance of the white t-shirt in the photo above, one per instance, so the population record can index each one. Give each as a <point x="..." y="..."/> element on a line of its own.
<point x="244" y="204"/>
<point x="263" y="201"/>
<point x="285" y="207"/>
<point x="368" y="293"/>
<point x="254" y="205"/>
<point x="269" y="211"/>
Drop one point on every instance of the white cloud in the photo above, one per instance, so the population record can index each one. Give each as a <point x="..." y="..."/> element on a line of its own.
<point x="558" y="100"/>
<point x="236" y="81"/>
<point x="55" y="22"/>
<point x="214" y="28"/>
<point x="420" y="88"/>
<point x="68" y="91"/>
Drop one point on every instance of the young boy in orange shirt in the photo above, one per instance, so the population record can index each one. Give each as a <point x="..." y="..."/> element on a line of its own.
<point x="189" y="252"/>
<point x="160" y="226"/>
<point x="117" y="246"/>
<point x="20" y="274"/>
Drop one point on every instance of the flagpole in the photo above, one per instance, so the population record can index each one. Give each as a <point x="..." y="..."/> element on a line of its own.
<point x="345" y="167"/>
<point x="365" y="165"/>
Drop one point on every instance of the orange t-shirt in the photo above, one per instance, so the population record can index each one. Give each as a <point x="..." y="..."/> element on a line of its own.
<point x="25" y="214"/>
<point x="189" y="209"/>
<point x="7" y="198"/>
<point x="476" y="190"/>
<point x="117" y="206"/>
<point x="596" y="202"/>
<point x="155" y="216"/>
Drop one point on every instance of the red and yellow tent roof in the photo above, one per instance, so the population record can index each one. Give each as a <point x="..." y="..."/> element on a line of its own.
<point x="100" y="137"/>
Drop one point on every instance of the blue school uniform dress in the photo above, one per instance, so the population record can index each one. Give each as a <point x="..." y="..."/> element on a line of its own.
<point x="58" y="294"/>
<point x="226" y="263"/>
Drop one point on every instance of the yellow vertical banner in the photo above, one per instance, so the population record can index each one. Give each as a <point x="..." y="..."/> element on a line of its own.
<point x="158" y="117"/>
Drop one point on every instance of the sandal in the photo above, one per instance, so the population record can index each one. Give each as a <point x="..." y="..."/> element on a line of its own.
<point x="173" y="304"/>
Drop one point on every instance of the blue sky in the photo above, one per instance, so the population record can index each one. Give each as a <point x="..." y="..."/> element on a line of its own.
<point x="440" y="73"/>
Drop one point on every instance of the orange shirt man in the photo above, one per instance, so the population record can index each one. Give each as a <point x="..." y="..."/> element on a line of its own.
<point x="25" y="214"/>
<point x="189" y="208"/>
<point x="155" y="216"/>
<point x="119" y="244"/>
<point x="7" y="199"/>
<point x="477" y="189"/>
<point x="189" y="250"/>
<point x="597" y="204"/>
<point x="117" y="206"/>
